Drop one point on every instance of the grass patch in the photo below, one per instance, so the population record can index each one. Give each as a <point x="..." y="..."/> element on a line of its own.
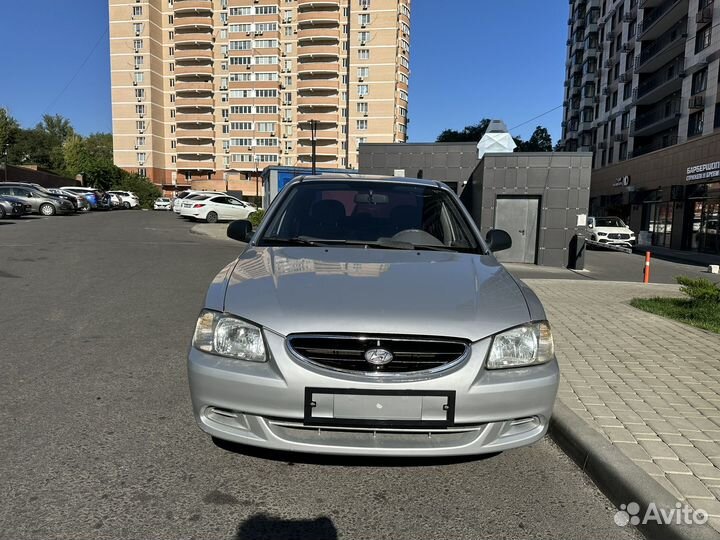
<point x="700" y="313"/>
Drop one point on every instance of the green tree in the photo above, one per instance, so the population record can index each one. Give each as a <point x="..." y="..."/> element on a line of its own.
<point x="146" y="191"/>
<point x="58" y="127"/>
<point x="472" y="133"/>
<point x="32" y="146"/>
<point x="539" y="141"/>
<point x="9" y="130"/>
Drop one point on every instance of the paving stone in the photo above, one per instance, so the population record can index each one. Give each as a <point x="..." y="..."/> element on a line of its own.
<point x="706" y="472"/>
<point x="672" y="466"/>
<point x="634" y="451"/>
<point x="690" y="486"/>
<point x="690" y="454"/>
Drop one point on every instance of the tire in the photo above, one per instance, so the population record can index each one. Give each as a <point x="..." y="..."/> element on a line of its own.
<point x="47" y="209"/>
<point x="2" y="213"/>
<point x="126" y="205"/>
<point x="211" y="217"/>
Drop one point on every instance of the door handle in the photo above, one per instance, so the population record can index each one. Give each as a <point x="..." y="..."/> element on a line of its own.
<point x="522" y="231"/>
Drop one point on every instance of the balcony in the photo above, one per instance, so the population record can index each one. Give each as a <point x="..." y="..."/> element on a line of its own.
<point x="310" y="68"/>
<point x="184" y="87"/>
<point x="318" y="101"/>
<point x="657" y="53"/>
<point x="193" y="55"/>
<point x="310" y="5"/>
<point x="196" y="165"/>
<point x="196" y="149"/>
<point x="318" y="84"/>
<point x="660" y="84"/>
<point x="657" y="119"/>
<point x="306" y="18"/>
<point x="661" y="19"/>
<point x="194" y="102"/>
<point x="193" y="6"/>
<point x="194" y="134"/>
<point x="194" y="117"/>
<point x="664" y="142"/>
<point x="319" y="34"/>
<point x="327" y="134"/>
<point x="198" y="71"/>
<point x="193" y="39"/>
<point x="193" y="23"/>
<point x="312" y="51"/>
<point x="323" y="118"/>
<point x="330" y="150"/>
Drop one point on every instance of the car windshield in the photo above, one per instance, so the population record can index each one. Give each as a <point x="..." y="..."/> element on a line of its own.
<point x="609" y="222"/>
<point x="378" y="214"/>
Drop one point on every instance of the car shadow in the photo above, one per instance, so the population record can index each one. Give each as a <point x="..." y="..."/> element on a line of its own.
<point x="292" y="458"/>
<point x="6" y="222"/>
<point x="264" y="527"/>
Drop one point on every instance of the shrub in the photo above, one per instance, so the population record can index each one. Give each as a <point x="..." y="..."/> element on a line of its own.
<point x="700" y="289"/>
<point x="146" y="191"/>
<point x="257" y="217"/>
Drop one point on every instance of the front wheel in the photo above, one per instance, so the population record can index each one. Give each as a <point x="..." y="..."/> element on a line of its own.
<point x="47" y="209"/>
<point x="126" y="205"/>
<point x="212" y="217"/>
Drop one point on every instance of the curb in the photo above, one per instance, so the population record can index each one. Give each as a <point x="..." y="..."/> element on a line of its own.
<point x="198" y="230"/>
<point x="621" y="480"/>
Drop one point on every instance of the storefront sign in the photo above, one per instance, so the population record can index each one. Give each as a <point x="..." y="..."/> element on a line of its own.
<point x="703" y="172"/>
<point x="623" y="181"/>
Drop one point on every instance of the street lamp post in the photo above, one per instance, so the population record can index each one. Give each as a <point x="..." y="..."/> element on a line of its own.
<point x="6" y="151"/>
<point x="313" y="135"/>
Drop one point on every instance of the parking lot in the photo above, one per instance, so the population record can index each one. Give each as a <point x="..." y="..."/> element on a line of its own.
<point x="99" y="439"/>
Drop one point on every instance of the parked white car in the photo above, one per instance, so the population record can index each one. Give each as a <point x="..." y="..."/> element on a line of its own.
<point x="610" y="230"/>
<point x="127" y="198"/>
<point x="214" y="208"/>
<point x="162" y="203"/>
<point x="177" y="201"/>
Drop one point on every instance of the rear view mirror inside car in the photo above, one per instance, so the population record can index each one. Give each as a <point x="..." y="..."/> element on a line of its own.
<point x="371" y="198"/>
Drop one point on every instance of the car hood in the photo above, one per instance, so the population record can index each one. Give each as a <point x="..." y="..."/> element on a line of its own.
<point x="337" y="289"/>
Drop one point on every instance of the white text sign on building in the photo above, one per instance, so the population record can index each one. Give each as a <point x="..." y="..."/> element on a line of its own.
<point x="703" y="172"/>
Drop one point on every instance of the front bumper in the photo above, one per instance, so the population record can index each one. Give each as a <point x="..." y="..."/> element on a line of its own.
<point x="262" y="404"/>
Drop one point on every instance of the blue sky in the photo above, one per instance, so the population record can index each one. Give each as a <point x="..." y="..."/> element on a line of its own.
<point x="470" y="59"/>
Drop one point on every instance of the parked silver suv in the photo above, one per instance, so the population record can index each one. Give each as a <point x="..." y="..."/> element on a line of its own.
<point x="40" y="200"/>
<point x="367" y="316"/>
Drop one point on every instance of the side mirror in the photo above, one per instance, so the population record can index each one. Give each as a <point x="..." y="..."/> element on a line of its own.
<point x="498" y="240"/>
<point x="240" y="230"/>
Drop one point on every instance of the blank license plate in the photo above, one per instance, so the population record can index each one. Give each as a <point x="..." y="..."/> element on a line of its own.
<point x="392" y="408"/>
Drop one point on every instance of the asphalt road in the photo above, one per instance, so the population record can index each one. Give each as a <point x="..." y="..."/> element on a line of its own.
<point x="98" y="440"/>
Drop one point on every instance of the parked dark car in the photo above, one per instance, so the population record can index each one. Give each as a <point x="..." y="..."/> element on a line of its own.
<point x="10" y="207"/>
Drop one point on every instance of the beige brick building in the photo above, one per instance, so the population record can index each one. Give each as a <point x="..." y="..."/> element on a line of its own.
<point x="207" y="93"/>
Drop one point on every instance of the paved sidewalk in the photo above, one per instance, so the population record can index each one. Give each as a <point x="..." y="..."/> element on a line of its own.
<point x="649" y="384"/>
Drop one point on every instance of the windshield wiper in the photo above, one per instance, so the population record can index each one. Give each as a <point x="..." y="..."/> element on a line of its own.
<point x="294" y="241"/>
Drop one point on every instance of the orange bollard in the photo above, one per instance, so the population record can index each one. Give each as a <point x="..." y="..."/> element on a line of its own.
<point x="646" y="269"/>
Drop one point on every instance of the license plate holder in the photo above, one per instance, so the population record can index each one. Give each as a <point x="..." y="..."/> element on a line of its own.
<point x="379" y="408"/>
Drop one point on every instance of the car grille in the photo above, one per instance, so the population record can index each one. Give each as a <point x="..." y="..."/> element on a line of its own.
<point x="619" y="236"/>
<point x="347" y="353"/>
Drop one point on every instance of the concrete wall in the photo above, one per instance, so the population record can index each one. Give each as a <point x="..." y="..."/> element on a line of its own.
<point x="451" y="163"/>
<point x="33" y="176"/>
<point x="560" y="180"/>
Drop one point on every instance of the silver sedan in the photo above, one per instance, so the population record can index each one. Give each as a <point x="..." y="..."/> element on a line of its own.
<point x="367" y="316"/>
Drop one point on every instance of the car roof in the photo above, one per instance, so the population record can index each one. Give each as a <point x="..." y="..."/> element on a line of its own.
<point x="371" y="178"/>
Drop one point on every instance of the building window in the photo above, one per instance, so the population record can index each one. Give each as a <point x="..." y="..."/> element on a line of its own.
<point x="171" y="19"/>
<point x="362" y="90"/>
<point x="137" y="11"/>
<point x="702" y="38"/>
<point x="622" y="155"/>
<point x="362" y="125"/>
<point x="363" y="72"/>
<point x="695" y="123"/>
<point x="699" y="81"/>
<point x="363" y="37"/>
<point x="363" y="54"/>
<point x="362" y="108"/>
<point x="364" y="19"/>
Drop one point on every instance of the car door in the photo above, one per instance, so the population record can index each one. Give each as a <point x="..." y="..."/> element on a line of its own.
<point x="26" y="196"/>
<point x="220" y="206"/>
<point x="238" y="209"/>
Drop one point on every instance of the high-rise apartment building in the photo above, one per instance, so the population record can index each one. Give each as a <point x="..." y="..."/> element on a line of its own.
<point x="641" y="92"/>
<point x="207" y="93"/>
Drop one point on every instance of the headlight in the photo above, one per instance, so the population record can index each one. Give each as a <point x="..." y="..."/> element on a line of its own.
<point x="602" y="233"/>
<point x="526" y="345"/>
<point x="225" y="335"/>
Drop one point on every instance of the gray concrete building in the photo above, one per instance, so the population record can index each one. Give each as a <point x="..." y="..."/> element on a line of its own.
<point x="641" y="89"/>
<point x="451" y="163"/>
<point x="540" y="199"/>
